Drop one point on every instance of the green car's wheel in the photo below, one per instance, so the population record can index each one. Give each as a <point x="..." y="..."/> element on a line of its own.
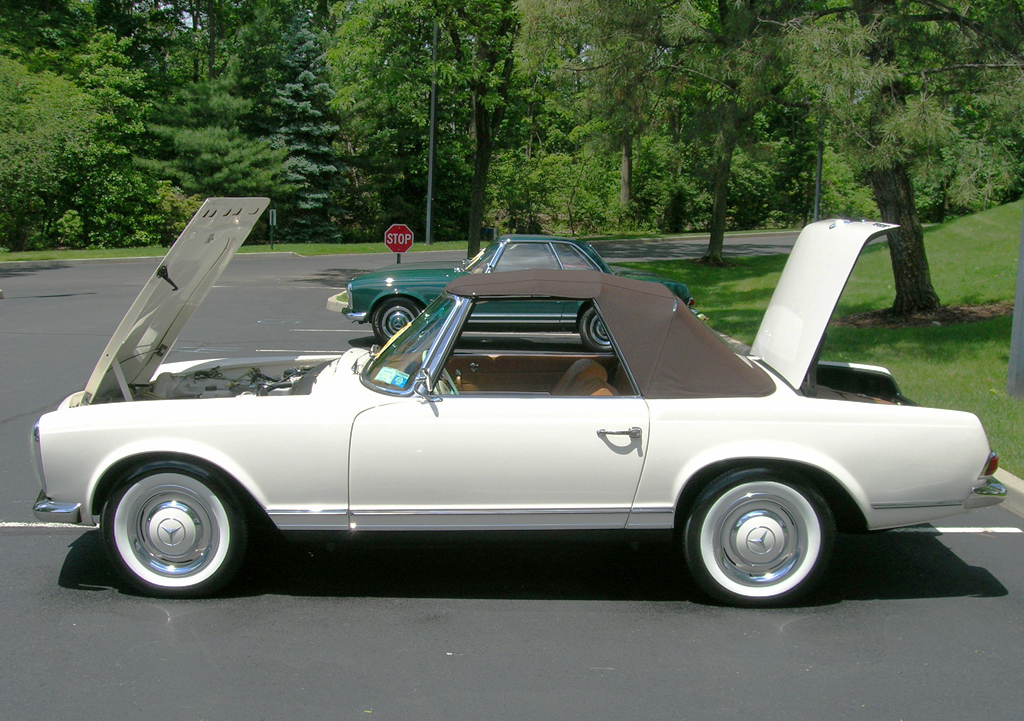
<point x="593" y="333"/>
<point x="175" y="530"/>
<point x="392" y="315"/>
<point x="756" y="538"/>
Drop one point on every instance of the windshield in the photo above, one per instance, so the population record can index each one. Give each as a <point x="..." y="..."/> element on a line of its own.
<point x="483" y="259"/>
<point x="398" y="362"/>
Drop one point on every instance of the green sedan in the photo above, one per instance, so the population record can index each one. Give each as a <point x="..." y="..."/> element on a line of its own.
<point x="390" y="298"/>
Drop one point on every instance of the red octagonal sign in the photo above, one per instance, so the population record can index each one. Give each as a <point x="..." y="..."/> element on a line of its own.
<point x="398" y="238"/>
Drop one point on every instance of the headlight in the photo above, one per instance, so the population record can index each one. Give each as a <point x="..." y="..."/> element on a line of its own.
<point x="37" y="455"/>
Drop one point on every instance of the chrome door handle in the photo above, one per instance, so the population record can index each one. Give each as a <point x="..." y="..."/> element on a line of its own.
<point x="633" y="432"/>
<point x="473" y="367"/>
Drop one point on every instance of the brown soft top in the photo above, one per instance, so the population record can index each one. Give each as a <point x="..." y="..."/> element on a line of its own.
<point x="669" y="351"/>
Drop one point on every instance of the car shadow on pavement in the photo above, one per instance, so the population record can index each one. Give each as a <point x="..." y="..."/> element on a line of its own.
<point x="885" y="566"/>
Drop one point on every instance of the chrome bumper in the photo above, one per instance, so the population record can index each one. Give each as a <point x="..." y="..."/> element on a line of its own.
<point x="990" y="493"/>
<point x="53" y="512"/>
<point x="340" y="304"/>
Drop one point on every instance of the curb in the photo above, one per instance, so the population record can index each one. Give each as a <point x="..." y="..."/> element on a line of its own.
<point x="334" y="304"/>
<point x="1014" y="502"/>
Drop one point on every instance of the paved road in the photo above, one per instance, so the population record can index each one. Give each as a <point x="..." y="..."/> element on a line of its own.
<point x="911" y="625"/>
<point x="694" y="246"/>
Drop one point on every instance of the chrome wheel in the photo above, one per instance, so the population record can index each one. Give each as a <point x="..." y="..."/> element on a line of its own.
<point x="173" y="529"/>
<point x="393" y="315"/>
<point x="757" y="539"/>
<point x="593" y="332"/>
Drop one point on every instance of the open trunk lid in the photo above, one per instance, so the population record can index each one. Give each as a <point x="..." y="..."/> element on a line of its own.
<point x="805" y="298"/>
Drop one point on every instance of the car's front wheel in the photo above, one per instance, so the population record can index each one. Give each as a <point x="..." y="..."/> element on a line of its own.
<point x="392" y="315"/>
<point x="756" y="538"/>
<point x="593" y="332"/>
<point x="173" y="529"/>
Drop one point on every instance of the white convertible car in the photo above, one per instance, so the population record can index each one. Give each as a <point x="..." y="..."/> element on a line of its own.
<point x="750" y="462"/>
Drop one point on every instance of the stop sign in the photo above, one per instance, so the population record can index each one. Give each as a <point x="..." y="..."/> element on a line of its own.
<point x="398" y="238"/>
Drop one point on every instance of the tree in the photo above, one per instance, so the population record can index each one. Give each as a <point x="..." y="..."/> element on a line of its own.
<point x="382" y="60"/>
<point x="724" y="59"/>
<point x="43" y="120"/>
<point x="200" y="146"/>
<point x="896" y="79"/>
<point x="307" y="131"/>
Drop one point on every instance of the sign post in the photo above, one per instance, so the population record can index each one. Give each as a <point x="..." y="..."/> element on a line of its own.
<point x="398" y="238"/>
<point x="273" y="223"/>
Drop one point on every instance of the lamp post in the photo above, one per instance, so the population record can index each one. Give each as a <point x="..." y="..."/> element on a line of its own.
<point x="433" y="133"/>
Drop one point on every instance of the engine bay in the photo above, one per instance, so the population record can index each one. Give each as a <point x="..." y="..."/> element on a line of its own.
<point x="229" y="382"/>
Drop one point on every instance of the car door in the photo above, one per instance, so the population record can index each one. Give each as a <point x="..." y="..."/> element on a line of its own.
<point x="497" y="461"/>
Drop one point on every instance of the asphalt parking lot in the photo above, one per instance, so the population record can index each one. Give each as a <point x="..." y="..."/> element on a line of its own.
<point x="925" y="623"/>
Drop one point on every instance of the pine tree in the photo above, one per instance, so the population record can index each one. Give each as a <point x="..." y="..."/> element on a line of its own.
<point x="307" y="131"/>
<point x="202" y="149"/>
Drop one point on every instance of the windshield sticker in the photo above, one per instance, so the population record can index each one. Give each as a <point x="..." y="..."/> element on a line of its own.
<point x="392" y="377"/>
<point x="385" y="375"/>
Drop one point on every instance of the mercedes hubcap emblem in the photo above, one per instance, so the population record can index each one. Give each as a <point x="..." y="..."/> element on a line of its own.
<point x="761" y="540"/>
<point x="170" y="531"/>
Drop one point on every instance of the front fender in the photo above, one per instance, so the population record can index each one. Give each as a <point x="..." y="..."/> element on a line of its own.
<point x="163" y="447"/>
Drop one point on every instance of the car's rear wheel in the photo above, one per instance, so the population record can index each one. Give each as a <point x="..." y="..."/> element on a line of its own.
<point x="173" y="529"/>
<point x="757" y="538"/>
<point x="593" y="332"/>
<point x="391" y="315"/>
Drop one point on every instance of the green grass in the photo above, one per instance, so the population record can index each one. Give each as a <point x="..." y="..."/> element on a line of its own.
<point x="297" y="248"/>
<point x="973" y="260"/>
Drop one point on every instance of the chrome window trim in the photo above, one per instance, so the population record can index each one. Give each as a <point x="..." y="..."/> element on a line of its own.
<point x="572" y="249"/>
<point x="448" y="332"/>
<point x="524" y="241"/>
<point x="468" y="395"/>
<point x="618" y="353"/>
<point x="442" y="344"/>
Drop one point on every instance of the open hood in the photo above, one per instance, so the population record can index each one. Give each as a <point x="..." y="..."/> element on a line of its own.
<point x="167" y="301"/>
<point x="808" y="291"/>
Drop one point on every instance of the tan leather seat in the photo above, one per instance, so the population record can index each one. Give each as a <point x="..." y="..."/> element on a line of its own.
<point x="593" y="386"/>
<point x="585" y="377"/>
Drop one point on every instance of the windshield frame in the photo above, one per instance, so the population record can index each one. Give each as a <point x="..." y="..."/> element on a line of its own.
<point x="447" y="328"/>
<point x="483" y="261"/>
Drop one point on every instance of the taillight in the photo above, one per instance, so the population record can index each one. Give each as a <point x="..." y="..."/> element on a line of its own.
<point x="992" y="466"/>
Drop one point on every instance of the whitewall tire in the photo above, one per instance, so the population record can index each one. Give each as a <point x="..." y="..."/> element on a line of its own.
<point x="756" y="538"/>
<point x="173" y="529"/>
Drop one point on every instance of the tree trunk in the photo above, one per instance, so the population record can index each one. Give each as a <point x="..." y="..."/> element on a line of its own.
<point x="723" y="168"/>
<point x="626" y="172"/>
<point x="481" y="166"/>
<point x="894" y="195"/>
<point x="211" y="30"/>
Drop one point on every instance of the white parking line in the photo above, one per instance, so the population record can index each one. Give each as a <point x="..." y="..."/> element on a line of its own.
<point x="16" y="524"/>
<point x="961" y="529"/>
<point x="302" y="351"/>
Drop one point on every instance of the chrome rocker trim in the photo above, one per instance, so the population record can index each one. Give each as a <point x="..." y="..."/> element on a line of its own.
<point x="915" y="504"/>
<point x="53" y="512"/>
